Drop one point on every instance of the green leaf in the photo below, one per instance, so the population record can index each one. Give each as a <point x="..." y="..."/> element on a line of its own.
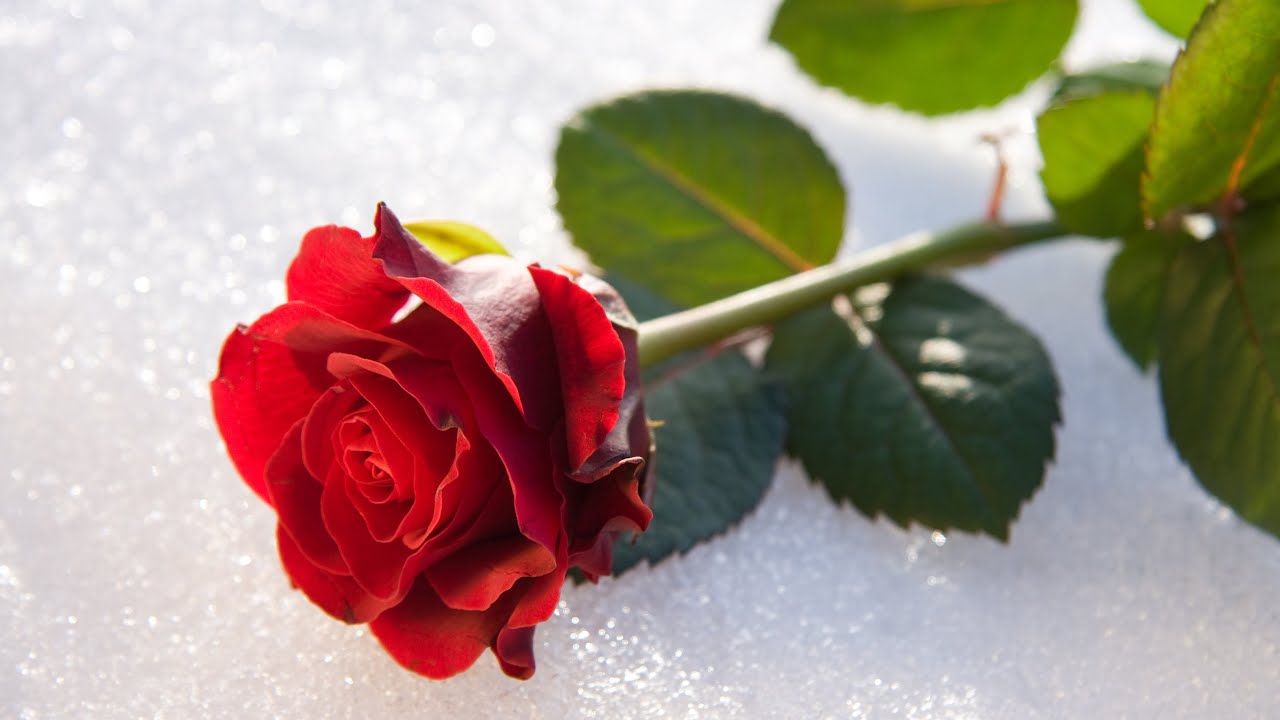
<point x="697" y="195"/>
<point x="1220" y="364"/>
<point x="722" y="424"/>
<point x="1092" y="149"/>
<point x="1177" y="17"/>
<point x="453" y="241"/>
<point x="720" y="438"/>
<point x="1148" y="75"/>
<point x="931" y="56"/>
<point x="1217" y="125"/>
<point x="1134" y="292"/>
<point x="927" y="404"/>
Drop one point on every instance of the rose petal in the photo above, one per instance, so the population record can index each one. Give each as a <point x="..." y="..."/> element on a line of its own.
<point x="629" y="436"/>
<point x="523" y="451"/>
<point x="337" y="595"/>
<point x="430" y="638"/>
<point x="296" y="494"/>
<point x="604" y="511"/>
<point x="538" y="600"/>
<point x="514" y="650"/>
<point x="594" y="556"/>
<point x="467" y="513"/>
<point x="258" y="394"/>
<point x="446" y="404"/>
<point x="335" y="272"/>
<point x="313" y="333"/>
<point x="271" y="373"/>
<point x="491" y="299"/>
<point x="375" y="565"/>
<point x="317" y="429"/>
<point x="592" y="361"/>
<point x="474" y="577"/>
<point x="612" y="503"/>
<point x="473" y="501"/>
<point x="381" y="520"/>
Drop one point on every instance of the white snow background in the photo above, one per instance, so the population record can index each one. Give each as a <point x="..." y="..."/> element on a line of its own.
<point x="160" y="161"/>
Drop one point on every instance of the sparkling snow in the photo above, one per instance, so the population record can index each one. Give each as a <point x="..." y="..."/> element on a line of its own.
<point x="160" y="161"/>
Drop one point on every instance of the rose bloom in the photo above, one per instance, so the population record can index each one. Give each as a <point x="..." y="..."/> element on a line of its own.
<point x="436" y="476"/>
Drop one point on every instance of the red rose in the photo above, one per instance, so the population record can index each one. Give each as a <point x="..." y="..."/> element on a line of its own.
<point x="437" y="475"/>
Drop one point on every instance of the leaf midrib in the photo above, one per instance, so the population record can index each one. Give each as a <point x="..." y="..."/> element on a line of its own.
<point x="1242" y="159"/>
<point x="880" y="346"/>
<point x="745" y="226"/>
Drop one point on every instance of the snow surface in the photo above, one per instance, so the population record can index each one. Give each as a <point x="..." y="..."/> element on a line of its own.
<point x="159" y="162"/>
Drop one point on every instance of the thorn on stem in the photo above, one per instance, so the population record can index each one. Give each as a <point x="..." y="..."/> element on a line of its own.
<point x="994" y="201"/>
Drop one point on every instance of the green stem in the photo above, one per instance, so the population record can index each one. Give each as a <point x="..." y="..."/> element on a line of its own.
<point x="670" y="335"/>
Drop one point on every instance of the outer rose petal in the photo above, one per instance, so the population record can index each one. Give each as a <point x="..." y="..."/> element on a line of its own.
<point x="335" y="272"/>
<point x="253" y="415"/>
<point x="296" y="494"/>
<point x="630" y="436"/>
<point x="493" y="301"/>
<point x="539" y="597"/>
<point x="474" y="577"/>
<point x="612" y="504"/>
<point x="430" y="638"/>
<point x="604" y="510"/>
<point x="337" y="595"/>
<point x="591" y="358"/>
<point x="514" y="650"/>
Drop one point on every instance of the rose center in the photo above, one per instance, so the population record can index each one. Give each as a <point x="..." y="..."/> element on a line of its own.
<point x="376" y="465"/>
<point x="365" y="462"/>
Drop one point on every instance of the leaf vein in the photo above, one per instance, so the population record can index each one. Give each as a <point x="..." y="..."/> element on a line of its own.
<point x="913" y="392"/>
<point x="1237" y="167"/>
<point x="745" y="226"/>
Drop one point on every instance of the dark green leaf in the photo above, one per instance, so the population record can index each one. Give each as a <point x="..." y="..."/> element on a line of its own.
<point x="927" y="404"/>
<point x="1217" y="125"/>
<point x="453" y="241"/>
<point x="1220" y="364"/>
<point x="1176" y="16"/>
<point x="1146" y="75"/>
<point x="931" y="56"/>
<point x="1092" y="149"/>
<point x="720" y="437"/>
<point x="1134" y="292"/>
<point x="697" y="195"/>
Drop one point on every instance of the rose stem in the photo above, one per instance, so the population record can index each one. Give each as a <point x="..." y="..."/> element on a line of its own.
<point x="664" y="337"/>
